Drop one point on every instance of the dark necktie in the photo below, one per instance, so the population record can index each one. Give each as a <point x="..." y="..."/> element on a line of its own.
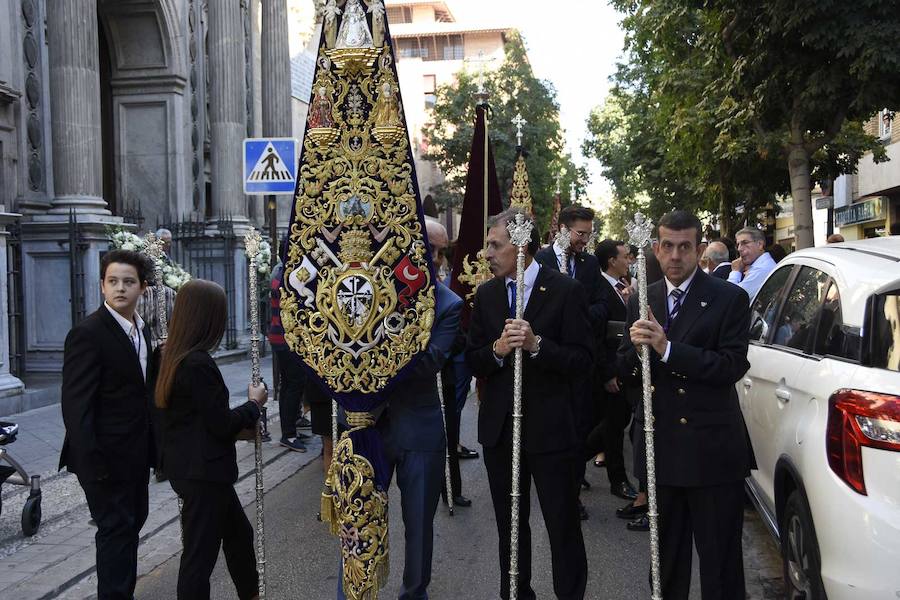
<point x="571" y="267"/>
<point x="677" y="294"/>
<point x="620" y="287"/>
<point x="512" y="299"/>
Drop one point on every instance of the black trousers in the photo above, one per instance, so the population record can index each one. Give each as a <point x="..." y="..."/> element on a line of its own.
<point x="713" y="519"/>
<point x="119" y="508"/>
<point x="212" y="516"/>
<point x="618" y="413"/>
<point x="553" y="474"/>
<point x="290" y="391"/>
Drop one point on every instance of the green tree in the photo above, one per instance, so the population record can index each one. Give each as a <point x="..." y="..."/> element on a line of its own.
<point x="658" y="133"/>
<point x="513" y="89"/>
<point x="805" y="76"/>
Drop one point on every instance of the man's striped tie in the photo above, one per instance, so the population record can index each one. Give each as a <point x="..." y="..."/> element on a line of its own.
<point x="677" y="294"/>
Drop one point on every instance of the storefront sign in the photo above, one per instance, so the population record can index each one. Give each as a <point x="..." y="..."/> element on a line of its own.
<point x="824" y="202"/>
<point x="871" y="209"/>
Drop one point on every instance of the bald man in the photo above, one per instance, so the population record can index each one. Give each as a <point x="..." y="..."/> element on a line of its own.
<point x="717" y="257"/>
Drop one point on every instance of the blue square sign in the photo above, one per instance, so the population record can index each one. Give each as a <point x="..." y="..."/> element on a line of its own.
<point x="270" y="165"/>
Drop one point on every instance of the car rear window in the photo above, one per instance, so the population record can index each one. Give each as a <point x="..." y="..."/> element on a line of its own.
<point x="885" y="332"/>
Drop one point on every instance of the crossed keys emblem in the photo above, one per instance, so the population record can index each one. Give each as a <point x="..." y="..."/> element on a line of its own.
<point x="355" y="299"/>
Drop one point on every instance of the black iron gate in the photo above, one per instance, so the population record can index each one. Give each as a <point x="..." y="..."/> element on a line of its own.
<point x="77" y="249"/>
<point x="206" y="249"/>
<point x="15" y="298"/>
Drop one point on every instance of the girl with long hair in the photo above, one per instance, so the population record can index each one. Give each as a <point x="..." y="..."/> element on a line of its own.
<point x="198" y="436"/>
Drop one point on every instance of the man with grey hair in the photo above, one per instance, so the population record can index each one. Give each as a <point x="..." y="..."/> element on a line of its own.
<point x="717" y="258"/>
<point x="750" y="270"/>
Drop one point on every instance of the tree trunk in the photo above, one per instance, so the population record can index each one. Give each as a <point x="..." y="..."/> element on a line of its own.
<point x="798" y="166"/>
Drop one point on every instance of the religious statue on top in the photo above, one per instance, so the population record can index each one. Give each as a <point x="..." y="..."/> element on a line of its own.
<point x="354" y="31"/>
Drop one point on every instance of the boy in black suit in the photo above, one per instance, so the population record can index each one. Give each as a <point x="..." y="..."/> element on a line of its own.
<point x="555" y="351"/>
<point x="698" y="331"/>
<point x="105" y="406"/>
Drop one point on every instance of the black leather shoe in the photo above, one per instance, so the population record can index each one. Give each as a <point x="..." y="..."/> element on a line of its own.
<point x="623" y="490"/>
<point x="465" y="453"/>
<point x="631" y="512"/>
<point x="582" y="512"/>
<point x="461" y="501"/>
<point x="639" y="524"/>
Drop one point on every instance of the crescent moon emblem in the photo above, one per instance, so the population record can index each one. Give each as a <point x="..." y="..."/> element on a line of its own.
<point x="408" y="275"/>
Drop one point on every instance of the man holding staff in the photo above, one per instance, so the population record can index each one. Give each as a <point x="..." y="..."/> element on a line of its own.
<point x="698" y="330"/>
<point x="555" y="350"/>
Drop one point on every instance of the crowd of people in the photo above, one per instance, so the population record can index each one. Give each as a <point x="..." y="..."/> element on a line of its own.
<point x="129" y="406"/>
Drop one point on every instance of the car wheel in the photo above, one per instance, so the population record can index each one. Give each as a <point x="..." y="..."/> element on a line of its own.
<point x="800" y="551"/>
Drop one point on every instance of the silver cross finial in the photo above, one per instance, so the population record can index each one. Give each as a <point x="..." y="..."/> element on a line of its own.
<point x="519" y="122"/>
<point x="639" y="230"/>
<point x="520" y="230"/>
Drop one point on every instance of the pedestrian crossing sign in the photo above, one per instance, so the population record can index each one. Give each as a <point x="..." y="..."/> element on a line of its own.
<point x="270" y="165"/>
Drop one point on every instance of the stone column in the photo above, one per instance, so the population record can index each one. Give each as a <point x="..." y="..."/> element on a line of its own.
<point x="276" y="91"/>
<point x="227" y="108"/>
<point x="276" y="70"/>
<point x="75" y="106"/>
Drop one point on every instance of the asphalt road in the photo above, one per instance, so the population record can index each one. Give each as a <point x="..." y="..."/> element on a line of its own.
<point x="302" y="558"/>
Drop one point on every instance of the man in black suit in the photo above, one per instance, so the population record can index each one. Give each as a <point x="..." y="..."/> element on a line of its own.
<point x="717" y="257"/>
<point x="698" y="334"/>
<point x="583" y="267"/>
<point x="105" y="406"/>
<point x="555" y="351"/>
<point x="613" y="258"/>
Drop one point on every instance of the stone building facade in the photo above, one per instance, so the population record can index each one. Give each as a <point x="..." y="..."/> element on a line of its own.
<point x="113" y="109"/>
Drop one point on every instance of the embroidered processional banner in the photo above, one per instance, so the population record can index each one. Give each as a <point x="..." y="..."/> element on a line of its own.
<point x="358" y="299"/>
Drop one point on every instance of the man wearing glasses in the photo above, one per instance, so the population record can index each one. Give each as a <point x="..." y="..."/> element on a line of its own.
<point x="583" y="267"/>
<point x="750" y="270"/>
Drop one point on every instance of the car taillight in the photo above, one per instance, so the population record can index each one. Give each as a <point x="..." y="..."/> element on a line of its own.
<point x="856" y="419"/>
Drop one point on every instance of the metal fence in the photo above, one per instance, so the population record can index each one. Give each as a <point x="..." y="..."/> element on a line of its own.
<point x="206" y="250"/>
<point x="15" y="297"/>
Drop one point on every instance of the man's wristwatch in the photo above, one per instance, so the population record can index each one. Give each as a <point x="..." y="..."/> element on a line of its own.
<point x="537" y="340"/>
<point x="494" y="350"/>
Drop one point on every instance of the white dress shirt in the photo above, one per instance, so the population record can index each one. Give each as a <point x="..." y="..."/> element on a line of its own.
<point x="685" y="287"/>
<point x="753" y="279"/>
<point x="531" y="273"/>
<point x="614" y="282"/>
<point x="135" y="332"/>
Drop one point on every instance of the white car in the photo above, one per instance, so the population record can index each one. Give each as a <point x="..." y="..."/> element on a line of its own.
<point x="822" y="405"/>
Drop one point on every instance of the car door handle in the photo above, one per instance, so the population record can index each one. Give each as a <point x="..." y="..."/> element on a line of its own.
<point x="783" y="395"/>
<point x="748" y="383"/>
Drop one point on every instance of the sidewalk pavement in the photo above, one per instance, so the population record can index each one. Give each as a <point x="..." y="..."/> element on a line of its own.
<point x="58" y="562"/>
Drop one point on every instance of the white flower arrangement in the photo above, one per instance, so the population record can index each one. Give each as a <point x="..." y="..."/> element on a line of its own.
<point x="121" y="239"/>
<point x="173" y="275"/>
<point x="264" y="258"/>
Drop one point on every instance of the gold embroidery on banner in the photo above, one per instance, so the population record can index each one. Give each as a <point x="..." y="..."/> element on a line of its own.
<point x="360" y="513"/>
<point x="357" y="229"/>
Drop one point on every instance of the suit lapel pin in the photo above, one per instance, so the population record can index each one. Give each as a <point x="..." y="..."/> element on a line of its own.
<point x="702" y="304"/>
<point x="542" y="288"/>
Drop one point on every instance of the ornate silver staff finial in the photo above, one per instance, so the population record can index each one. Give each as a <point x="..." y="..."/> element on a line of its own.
<point x="519" y="122"/>
<point x="564" y="241"/>
<point x="639" y="232"/>
<point x="573" y="193"/>
<point x="520" y="230"/>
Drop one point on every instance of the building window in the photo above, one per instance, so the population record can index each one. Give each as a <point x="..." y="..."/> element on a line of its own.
<point x="449" y="47"/>
<point x="410" y="48"/>
<point x="429" y="84"/>
<point x="399" y="14"/>
<point x="885" y="124"/>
